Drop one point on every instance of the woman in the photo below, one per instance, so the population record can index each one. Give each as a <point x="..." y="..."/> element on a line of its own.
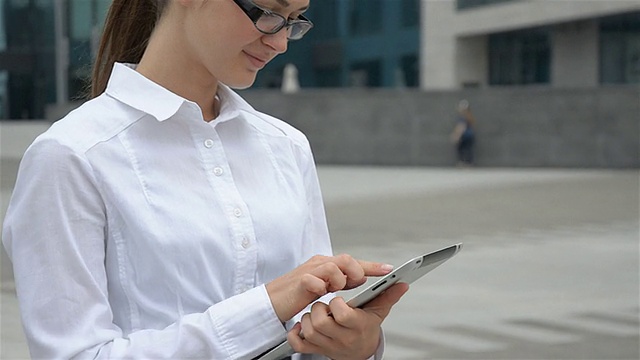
<point x="166" y="218"/>
<point x="463" y="134"/>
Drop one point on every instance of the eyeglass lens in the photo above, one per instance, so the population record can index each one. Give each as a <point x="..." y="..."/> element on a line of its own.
<point x="271" y="23"/>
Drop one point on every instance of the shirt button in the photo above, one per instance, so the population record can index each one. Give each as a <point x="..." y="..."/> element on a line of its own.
<point x="208" y="143"/>
<point x="237" y="212"/>
<point x="217" y="171"/>
<point x="246" y="243"/>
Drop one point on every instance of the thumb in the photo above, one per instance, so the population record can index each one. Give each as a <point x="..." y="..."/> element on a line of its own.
<point x="381" y="305"/>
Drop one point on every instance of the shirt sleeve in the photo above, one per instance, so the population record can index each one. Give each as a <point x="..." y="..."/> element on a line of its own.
<point x="316" y="236"/>
<point x="54" y="233"/>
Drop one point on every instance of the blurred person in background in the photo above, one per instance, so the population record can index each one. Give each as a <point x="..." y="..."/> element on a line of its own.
<point x="464" y="135"/>
<point x="167" y="218"/>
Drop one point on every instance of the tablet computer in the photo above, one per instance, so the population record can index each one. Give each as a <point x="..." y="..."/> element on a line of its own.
<point x="408" y="272"/>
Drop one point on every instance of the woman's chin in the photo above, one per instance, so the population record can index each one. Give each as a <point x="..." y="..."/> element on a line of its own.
<point x="240" y="83"/>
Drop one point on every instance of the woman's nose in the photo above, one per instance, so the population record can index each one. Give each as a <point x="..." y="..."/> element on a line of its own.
<point x="277" y="41"/>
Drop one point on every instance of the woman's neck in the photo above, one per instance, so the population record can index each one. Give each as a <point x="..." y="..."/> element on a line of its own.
<point x="167" y="62"/>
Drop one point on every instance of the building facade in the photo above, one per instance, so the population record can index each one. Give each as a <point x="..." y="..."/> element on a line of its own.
<point x="46" y="50"/>
<point x="47" y="47"/>
<point x="572" y="44"/>
<point x="355" y="43"/>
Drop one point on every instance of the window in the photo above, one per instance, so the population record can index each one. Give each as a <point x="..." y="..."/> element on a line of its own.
<point x="410" y="70"/>
<point x="325" y="17"/>
<point x="4" y="101"/>
<point x="85" y="21"/>
<point x="518" y="58"/>
<point x="365" y="16"/>
<point x="28" y="47"/>
<point x="620" y="49"/>
<point x="329" y="77"/>
<point x="80" y="44"/>
<point x="410" y="13"/>
<point x="365" y="74"/>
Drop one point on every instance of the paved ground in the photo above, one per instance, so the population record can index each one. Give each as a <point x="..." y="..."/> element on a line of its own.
<point x="549" y="269"/>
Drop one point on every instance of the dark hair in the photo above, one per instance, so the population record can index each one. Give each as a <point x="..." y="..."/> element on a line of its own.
<point x="126" y="33"/>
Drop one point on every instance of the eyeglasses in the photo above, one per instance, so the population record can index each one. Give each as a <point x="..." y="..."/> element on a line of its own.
<point x="268" y="22"/>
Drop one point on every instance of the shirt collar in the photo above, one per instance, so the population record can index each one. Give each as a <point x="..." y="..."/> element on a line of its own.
<point x="134" y="89"/>
<point x="231" y="105"/>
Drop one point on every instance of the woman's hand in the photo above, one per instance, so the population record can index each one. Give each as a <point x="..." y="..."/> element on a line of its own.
<point x="292" y="292"/>
<point x="341" y="332"/>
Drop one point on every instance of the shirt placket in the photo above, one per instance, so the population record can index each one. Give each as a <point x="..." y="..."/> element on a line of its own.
<point x="236" y="211"/>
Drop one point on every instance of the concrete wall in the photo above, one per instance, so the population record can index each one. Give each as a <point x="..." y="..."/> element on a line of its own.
<point x="517" y="127"/>
<point x="528" y="127"/>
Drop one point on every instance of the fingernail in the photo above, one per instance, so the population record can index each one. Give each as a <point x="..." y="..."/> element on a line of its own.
<point x="386" y="267"/>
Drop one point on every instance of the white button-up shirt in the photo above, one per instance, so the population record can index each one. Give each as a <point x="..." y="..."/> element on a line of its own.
<point x="138" y="230"/>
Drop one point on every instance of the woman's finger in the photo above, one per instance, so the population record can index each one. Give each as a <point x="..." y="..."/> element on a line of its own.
<point x="312" y="334"/>
<point x="297" y="342"/>
<point x="375" y="268"/>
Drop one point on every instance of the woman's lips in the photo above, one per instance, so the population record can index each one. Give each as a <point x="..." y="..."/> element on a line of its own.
<point x="257" y="62"/>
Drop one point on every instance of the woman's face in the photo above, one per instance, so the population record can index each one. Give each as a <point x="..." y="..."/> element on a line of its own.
<point x="223" y="40"/>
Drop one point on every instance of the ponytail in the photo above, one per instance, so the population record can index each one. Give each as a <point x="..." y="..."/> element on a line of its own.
<point x="125" y="36"/>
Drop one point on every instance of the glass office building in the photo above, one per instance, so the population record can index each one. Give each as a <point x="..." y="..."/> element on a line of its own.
<point x="46" y="47"/>
<point x="372" y="43"/>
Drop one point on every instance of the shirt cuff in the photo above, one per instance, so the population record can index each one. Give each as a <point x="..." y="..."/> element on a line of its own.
<point x="248" y="323"/>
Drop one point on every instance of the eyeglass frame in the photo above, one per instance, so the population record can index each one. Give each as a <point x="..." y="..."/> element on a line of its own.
<point x="254" y="12"/>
